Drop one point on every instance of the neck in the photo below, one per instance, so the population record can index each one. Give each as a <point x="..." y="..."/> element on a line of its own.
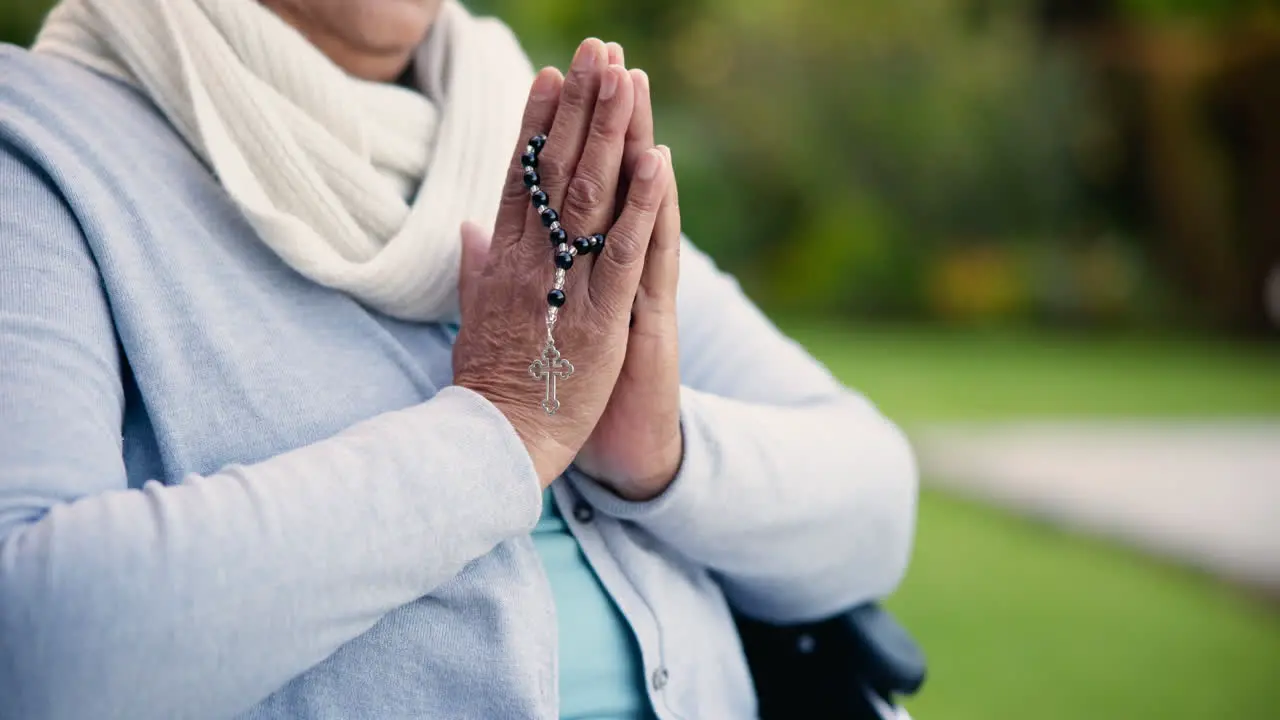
<point x="357" y="56"/>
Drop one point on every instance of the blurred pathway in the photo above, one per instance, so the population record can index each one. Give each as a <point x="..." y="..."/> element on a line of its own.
<point x="1207" y="493"/>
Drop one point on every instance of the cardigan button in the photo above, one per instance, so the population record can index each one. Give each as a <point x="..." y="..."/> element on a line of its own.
<point x="806" y="644"/>
<point x="660" y="678"/>
<point x="583" y="513"/>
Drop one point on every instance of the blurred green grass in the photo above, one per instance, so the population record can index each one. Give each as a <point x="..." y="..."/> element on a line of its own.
<point x="1020" y="620"/>
<point x="920" y="375"/>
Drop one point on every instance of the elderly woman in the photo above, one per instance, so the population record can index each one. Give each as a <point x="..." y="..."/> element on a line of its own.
<point x="333" y="385"/>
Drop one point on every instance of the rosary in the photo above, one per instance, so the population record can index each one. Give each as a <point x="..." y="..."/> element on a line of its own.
<point x="550" y="366"/>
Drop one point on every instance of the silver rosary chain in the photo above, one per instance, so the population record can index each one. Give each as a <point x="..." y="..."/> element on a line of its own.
<point x="549" y="367"/>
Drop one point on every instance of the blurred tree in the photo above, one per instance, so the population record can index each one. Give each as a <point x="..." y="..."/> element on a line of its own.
<point x="19" y="19"/>
<point x="833" y="154"/>
<point x="936" y="158"/>
<point x="1191" y="90"/>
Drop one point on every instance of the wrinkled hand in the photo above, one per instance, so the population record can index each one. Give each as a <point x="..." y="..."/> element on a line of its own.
<point x="504" y="281"/>
<point x="636" y="447"/>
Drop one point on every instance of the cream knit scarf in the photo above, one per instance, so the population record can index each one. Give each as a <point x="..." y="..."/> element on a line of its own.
<point x="358" y="186"/>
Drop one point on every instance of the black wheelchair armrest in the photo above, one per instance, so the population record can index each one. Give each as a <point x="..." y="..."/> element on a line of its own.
<point x="889" y="656"/>
<point x="825" y="669"/>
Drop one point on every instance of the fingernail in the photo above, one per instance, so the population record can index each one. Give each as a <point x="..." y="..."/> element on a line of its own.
<point x="608" y="84"/>
<point x="666" y="152"/>
<point x="615" y="53"/>
<point x="649" y="164"/>
<point x="543" y="85"/>
<point x="588" y="55"/>
<point x="641" y="79"/>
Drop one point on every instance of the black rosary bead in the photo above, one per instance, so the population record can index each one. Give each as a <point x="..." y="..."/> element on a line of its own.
<point x="549" y="217"/>
<point x="597" y="243"/>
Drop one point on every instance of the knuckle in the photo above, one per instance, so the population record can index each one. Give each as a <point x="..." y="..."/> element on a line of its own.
<point x="626" y="247"/>
<point x="608" y="124"/>
<point x="578" y="94"/>
<point x="513" y="189"/>
<point x="646" y="201"/>
<point x="611" y="305"/>
<point x="552" y="167"/>
<point x="499" y="268"/>
<point x="508" y="228"/>
<point x="586" y="193"/>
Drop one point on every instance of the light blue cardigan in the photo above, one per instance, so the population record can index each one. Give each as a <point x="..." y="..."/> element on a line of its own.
<point x="225" y="490"/>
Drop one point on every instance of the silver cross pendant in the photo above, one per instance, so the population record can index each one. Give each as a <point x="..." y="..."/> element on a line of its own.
<point x="549" y="368"/>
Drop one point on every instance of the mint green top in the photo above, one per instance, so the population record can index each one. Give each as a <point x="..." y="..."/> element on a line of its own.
<point x="601" y="674"/>
<point x="601" y="677"/>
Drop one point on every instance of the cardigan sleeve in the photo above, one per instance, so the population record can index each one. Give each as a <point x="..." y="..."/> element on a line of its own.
<point x="794" y="491"/>
<point x="107" y="589"/>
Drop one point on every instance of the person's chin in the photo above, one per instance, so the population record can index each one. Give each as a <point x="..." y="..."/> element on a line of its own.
<point x="379" y="36"/>
<point x="393" y="25"/>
